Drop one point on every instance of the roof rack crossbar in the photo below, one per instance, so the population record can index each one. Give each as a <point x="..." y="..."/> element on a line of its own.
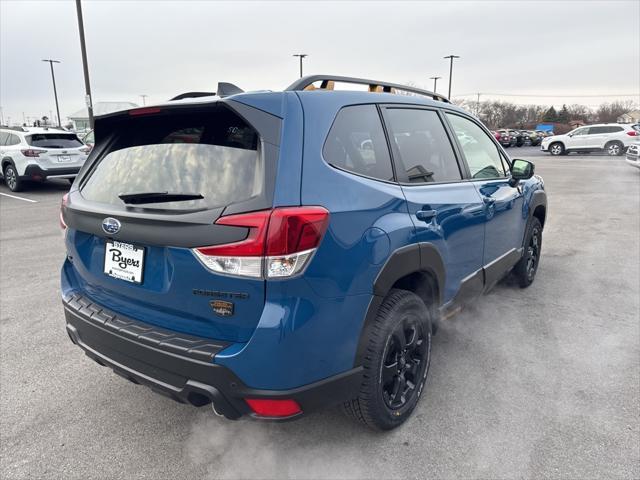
<point x="374" y="85"/>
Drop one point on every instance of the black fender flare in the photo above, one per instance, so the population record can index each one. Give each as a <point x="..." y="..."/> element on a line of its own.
<point x="417" y="257"/>
<point x="538" y="198"/>
<point x="5" y="161"/>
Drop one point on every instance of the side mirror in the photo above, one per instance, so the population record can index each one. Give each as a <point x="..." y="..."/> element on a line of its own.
<point x="521" y="170"/>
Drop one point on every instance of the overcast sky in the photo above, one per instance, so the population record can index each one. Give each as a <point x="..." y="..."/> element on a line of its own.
<point x="162" y="48"/>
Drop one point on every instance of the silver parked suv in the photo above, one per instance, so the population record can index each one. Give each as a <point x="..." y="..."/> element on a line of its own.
<point x="36" y="154"/>
<point x="612" y="138"/>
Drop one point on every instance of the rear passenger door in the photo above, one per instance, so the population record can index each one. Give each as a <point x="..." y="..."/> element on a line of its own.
<point x="503" y="203"/>
<point x="445" y="211"/>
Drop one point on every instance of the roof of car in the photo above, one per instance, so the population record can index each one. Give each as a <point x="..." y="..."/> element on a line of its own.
<point x="32" y="130"/>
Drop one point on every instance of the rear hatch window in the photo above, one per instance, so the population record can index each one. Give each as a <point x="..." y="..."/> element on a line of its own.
<point x="193" y="161"/>
<point x="54" y="140"/>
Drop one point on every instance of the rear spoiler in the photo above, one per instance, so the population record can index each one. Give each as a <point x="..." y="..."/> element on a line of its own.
<point x="224" y="90"/>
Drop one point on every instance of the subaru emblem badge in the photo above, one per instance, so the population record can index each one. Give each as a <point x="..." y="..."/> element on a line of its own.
<point x="110" y="225"/>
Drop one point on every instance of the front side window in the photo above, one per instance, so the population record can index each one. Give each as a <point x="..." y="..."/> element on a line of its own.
<point x="214" y="156"/>
<point x="425" y="151"/>
<point x="3" y="138"/>
<point x="356" y="143"/>
<point x="580" y="131"/>
<point x="481" y="153"/>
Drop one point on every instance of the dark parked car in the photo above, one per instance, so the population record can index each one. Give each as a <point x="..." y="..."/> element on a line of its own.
<point x="273" y="253"/>
<point x="503" y="138"/>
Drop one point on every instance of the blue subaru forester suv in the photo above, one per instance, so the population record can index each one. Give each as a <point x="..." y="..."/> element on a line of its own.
<point x="272" y="253"/>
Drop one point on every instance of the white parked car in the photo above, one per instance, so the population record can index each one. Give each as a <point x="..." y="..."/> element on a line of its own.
<point x="36" y="154"/>
<point x="612" y="138"/>
<point x="633" y="156"/>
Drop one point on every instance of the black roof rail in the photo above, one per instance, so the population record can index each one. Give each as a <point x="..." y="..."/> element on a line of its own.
<point x="374" y="85"/>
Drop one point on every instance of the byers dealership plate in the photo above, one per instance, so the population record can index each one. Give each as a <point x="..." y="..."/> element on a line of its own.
<point x="124" y="261"/>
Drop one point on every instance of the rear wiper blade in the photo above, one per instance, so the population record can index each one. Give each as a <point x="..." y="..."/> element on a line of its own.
<point x="157" y="197"/>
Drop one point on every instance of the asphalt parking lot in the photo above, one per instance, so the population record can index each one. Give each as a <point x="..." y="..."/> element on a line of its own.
<point x="542" y="382"/>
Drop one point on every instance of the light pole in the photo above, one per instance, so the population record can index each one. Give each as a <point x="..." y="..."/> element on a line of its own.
<point x="144" y="99"/>
<point x="451" y="57"/>
<point x="55" y="92"/>
<point x="85" y="66"/>
<point x="435" y="82"/>
<point x="300" y="56"/>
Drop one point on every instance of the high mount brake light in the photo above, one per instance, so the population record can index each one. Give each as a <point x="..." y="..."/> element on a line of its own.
<point x="279" y="244"/>
<point x="144" y="111"/>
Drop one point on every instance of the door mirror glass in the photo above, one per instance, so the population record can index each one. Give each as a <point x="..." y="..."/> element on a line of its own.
<point x="521" y="169"/>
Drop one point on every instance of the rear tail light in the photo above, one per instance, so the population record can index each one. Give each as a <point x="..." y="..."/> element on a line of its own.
<point x="279" y="244"/>
<point x="86" y="149"/>
<point x="63" y="204"/>
<point x="30" y="152"/>
<point x="273" y="408"/>
<point x="632" y="133"/>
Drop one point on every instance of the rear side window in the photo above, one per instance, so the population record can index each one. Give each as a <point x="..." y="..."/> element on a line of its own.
<point x="3" y="138"/>
<point x="480" y="151"/>
<point x="424" y="147"/>
<point x="13" y="139"/>
<point x="214" y="155"/>
<point x="356" y="143"/>
<point x="54" y="140"/>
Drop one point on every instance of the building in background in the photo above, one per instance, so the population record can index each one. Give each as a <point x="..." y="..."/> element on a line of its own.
<point x="630" y="117"/>
<point x="80" y="119"/>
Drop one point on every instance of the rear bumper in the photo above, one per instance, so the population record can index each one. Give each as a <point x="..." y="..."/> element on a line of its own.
<point x="181" y="366"/>
<point x="35" y="172"/>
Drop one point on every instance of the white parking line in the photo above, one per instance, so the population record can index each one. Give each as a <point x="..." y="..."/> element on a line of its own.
<point x="18" y="198"/>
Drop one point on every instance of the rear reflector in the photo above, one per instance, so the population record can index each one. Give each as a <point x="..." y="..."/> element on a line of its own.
<point x="273" y="408"/>
<point x="280" y="242"/>
<point x="144" y="111"/>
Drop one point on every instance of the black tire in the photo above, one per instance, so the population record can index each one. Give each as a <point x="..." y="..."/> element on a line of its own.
<point x="556" y="148"/>
<point x="399" y="343"/>
<point x="614" y="149"/>
<point x="11" y="178"/>
<point x="525" y="270"/>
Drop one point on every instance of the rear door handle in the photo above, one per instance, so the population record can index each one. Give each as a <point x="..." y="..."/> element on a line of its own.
<point x="426" y="215"/>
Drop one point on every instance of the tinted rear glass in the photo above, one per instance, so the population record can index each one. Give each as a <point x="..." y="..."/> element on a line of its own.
<point x="356" y="143"/>
<point x="214" y="155"/>
<point x="54" y="140"/>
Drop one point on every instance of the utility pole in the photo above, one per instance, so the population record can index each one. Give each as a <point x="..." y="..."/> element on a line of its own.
<point x="55" y="92"/>
<point x="144" y="99"/>
<point x="85" y="66"/>
<point x="435" y="83"/>
<point x="451" y="57"/>
<point x="300" y="56"/>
